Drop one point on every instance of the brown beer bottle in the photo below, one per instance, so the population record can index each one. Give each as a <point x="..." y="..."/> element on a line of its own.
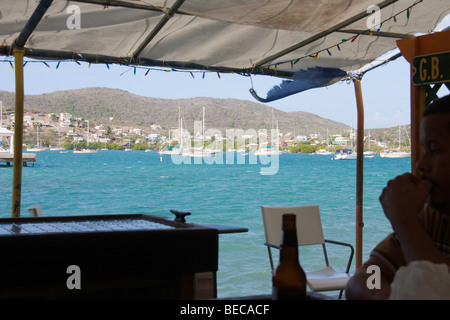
<point x="289" y="279"/>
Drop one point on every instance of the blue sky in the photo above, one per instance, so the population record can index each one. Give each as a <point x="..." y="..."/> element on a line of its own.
<point x="385" y="89"/>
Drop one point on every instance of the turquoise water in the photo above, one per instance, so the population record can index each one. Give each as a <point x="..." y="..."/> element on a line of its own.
<point x="119" y="182"/>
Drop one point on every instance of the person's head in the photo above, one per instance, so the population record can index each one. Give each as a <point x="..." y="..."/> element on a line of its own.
<point x="435" y="161"/>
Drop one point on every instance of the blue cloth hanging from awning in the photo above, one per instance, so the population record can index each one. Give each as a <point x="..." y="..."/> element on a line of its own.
<point x="302" y="80"/>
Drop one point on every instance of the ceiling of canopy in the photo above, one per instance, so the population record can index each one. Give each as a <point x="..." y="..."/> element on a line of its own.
<point x="272" y="37"/>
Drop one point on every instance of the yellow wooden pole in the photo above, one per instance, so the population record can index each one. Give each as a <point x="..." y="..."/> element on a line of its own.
<point x="18" y="133"/>
<point x="359" y="173"/>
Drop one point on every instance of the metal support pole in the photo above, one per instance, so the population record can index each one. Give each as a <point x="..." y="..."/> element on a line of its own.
<point x="19" y="52"/>
<point x="359" y="173"/>
<point x="32" y="23"/>
<point x="18" y="133"/>
<point x="158" y="27"/>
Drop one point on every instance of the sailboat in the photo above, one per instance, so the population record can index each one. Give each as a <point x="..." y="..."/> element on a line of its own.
<point x="169" y="149"/>
<point x="268" y="150"/>
<point x="85" y="150"/>
<point x="398" y="153"/>
<point x="345" y="154"/>
<point x="199" y="151"/>
<point x="58" y="147"/>
<point x="325" y="151"/>
<point x="369" y="153"/>
<point x="37" y="147"/>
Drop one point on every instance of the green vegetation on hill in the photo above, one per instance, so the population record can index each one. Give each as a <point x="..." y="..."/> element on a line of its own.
<point x="117" y="108"/>
<point x="100" y="105"/>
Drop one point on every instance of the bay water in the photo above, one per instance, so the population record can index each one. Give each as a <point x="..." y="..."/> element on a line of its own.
<point x="130" y="182"/>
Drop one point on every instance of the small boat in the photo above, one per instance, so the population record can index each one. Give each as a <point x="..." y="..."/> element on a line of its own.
<point x="395" y="154"/>
<point x="323" y="152"/>
<point x="199" y="152"/>
<point x="344" y="154"/>
<point x="57" y="148"/>
<point x="84" y="151"/>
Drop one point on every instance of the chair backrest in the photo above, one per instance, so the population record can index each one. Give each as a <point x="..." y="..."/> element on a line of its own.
<point x="309" y="225"/>
<point x="35" y="211"/>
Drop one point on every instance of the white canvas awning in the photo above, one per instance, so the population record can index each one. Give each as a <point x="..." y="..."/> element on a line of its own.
<point x="270" y="37"/>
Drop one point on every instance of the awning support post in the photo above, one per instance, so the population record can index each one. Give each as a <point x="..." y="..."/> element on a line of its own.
<point x="359" y="172"/>
<point x="18" y="133"/>
<point x="19" y="53"/>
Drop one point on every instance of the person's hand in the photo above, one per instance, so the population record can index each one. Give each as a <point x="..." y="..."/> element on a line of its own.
<point x="403" y="198"/>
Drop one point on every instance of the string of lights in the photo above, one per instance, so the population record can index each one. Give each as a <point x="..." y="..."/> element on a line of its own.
<point x="350" y="39"/>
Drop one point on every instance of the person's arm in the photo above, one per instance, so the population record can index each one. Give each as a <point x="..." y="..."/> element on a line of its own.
<point x="388" y="257"/>
<point x="402" y="200"/>
<point x="417" y="245"/>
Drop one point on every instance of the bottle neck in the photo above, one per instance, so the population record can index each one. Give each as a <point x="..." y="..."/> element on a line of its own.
<point x="289" y="246"/>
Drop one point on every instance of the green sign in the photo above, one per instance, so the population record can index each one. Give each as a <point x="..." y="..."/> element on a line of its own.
<point x="432" y="68"/>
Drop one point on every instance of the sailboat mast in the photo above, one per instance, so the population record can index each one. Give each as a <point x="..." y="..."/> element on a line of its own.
<point x="180" y="121"/>
<point x="328" y="141"/>
<point x="278" y="138"/>
<point x="203" y="129"/>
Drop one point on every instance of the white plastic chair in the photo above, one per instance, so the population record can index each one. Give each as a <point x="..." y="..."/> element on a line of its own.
<point x="309" y="232"/>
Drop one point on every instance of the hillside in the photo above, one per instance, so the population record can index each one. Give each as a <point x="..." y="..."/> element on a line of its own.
<point x="127" y="109"/>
